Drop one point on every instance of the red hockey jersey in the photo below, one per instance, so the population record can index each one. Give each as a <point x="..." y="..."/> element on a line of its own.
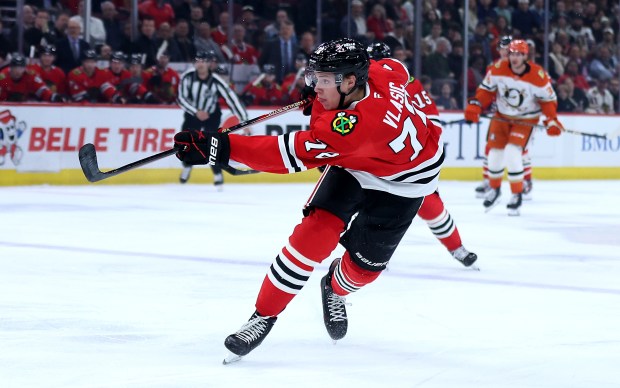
<point x="54" y="78"/>
<point x="126" y="85"/>
<point x="94" y="88"/>
<point x="383" y="139"/>
<point x="30" y="86"/>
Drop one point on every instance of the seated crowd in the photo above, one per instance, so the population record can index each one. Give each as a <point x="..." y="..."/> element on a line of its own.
<point x="265" y="56"/>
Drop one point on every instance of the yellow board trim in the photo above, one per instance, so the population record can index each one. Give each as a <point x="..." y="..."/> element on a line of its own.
<point x="203" y="175"/>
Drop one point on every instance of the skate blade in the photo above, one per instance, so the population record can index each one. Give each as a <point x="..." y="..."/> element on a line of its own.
<point x="473" y="267"/>
<point x="231" y="358"/>
<point x="488" y="209"/>
<point x="481" y="195"/>
<point x="527" y="197"/>
<point x="514" y="212"/>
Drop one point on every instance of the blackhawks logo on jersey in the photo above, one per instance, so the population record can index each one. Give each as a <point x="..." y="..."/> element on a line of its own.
<point x="344" y="124"/>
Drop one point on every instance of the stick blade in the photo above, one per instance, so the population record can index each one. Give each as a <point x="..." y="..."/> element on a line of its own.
<point x="88" y="162"/>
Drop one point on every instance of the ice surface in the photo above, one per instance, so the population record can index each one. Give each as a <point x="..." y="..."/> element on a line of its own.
<point x="137" y="286"/>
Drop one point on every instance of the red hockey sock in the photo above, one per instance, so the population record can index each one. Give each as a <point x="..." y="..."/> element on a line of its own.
<point x="312" y="241"/>
<point x="440" y="221"/>
<point x="349" y="277"/>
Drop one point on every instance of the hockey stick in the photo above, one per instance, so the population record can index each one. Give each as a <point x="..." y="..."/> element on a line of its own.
<point x="516" y="122"/>
<point x="90" y="167"/>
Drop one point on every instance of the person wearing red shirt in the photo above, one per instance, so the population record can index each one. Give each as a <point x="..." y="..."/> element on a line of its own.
<point x="219" y="34"/>
<point x="87" y="83"/>
<point x="294" y="83"/>
<point x="53" y="76"/>
<point x="263" y="90"/>
<point x="159" y="10"/>
<point x="161" y="80"/>
<point x="130" y="88"/>
<point x="17" y="83"/>
<point x="242" y="53"/>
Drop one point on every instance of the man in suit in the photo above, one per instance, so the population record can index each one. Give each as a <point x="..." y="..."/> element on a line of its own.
<point x="71" y="49"/>
<point x="281" y="51"/>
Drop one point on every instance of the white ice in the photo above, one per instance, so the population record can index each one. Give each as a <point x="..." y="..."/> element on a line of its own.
<point x="137" y="286"/>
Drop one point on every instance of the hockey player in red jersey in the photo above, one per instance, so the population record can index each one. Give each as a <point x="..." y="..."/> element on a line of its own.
<point x="433" y="210"/>
<point x="162" y="80"/>
<point x="522" y="91"/>
<point x="383" y="157"/>
<point x="17" y="83"/>
<point x="53" y="76"/>
<point x="264" y="90"/>
<point x="130" y="88"/>
<point x="481" y="191"/>
<point x="88" y="83"/>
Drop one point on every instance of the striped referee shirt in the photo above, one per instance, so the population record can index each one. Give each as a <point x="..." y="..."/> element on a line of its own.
<point x="196" y="94"/>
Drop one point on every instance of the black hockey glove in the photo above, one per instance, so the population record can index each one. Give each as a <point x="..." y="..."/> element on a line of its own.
<point x="150" y="98"/>
<point x="308" y="92"/>
<point x="198" y="147"/>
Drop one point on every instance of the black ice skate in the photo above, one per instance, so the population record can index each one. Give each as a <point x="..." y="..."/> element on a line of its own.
<point x="483" y="189"/>
<point x="334" y="311"/>
<point x="491" y="199"/>
<point x="465" y="257"/>
<point x="185" y="173"/>
<point x="515" y="204"/>
<point x="248" y="337"/>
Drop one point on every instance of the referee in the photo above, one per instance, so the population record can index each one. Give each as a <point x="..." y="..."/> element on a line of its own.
<point x="199" y="92"/>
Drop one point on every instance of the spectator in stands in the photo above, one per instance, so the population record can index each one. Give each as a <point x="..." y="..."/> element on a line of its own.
<point x="533" y="55"/>
<point x="571" y="71"/>
<point x="538" y="9"/>
<point x="610" y="42"/>
<point x="281" y="51"/>
<point x="475" y="73"/>
<point x="599" y="98"/>
<point x="97" y="30"/>
<point x="580" y="34"/>
<point x="397" y="37"/>
<point x="28" y="18"/>
<point x="560" y="26"/>
<point x="39" y="35"/>
<point x="196" y="17"/>
<point x="455" y="60"/>
<point x="104" y="57"/>
<point x="249" y="21"/>
<point x="242" y="52"/>
<point x="166" y="34"/>
<point x="264" y="90"/>
<point x="378" y="23"/>
<point x="524" y="20"/>
<point x="481" y="38"/>
<point x="437" y="65"/>
<point x="71" y="49"/>
<point x="446" y="100"/>
<point x="576" y="95"/>
<point x="431" y="39"/>
<point x="126" y="43"/>
<point x="272" y="30"/>
<point x="204" y="42"/>
<point x="17" y="83"/>
<point x="307" y="44"/>
<point x="589" y="14"/>
<point x="159" y="10"/>
<point x="147" y="43"/>
<point x="560" y="10"/>
<point x="220" y="34"/>
<point x="557" y="61"/>
<point x="210" y="11"/>
<point x="402" y="55"/>
<point x="113" y="28"/>
<point x="356" y="23"/>
<point x="504" y="9"/>
<point x="473" y="16"/>
<point x="603" y="65"/>
<point x="565" y="103"/>
<point x="60" y="25"/>
<point x="87" y="83"/>
<point x="486" y="10"/>
<point x="52" y="76"/>
<point x="162" y="80"/>
<point x="183" y="42"/>
<point x="5" y="45"/>
<point x="429" y="19"/>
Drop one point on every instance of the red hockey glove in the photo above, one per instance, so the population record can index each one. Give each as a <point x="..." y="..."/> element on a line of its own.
<point x="198" y="147"/>
<point x="308" y="92"/>
<point x="554" y="128"/>
<point x="473" y="111"/>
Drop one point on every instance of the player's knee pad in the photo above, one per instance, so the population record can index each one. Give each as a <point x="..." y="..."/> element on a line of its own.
<point x="317" y="235"/>
<point x="496" y="163"/>
<point x="514" y="161"/>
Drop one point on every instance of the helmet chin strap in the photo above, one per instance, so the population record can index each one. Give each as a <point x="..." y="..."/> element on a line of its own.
<point x="344" y="95"/>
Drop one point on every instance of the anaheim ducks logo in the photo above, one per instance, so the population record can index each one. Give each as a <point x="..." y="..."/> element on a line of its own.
<point x="344" y="124"/>
<point x="513" y="97"/>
